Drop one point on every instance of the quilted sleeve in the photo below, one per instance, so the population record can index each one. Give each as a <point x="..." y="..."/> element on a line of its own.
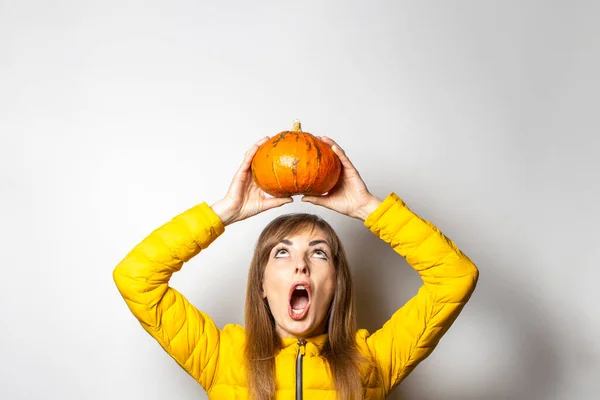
<point x="449" y="279"/>
<point x="142" y="278"/>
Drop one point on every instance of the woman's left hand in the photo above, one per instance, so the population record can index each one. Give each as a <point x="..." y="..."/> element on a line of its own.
<point x="350" y="195"/>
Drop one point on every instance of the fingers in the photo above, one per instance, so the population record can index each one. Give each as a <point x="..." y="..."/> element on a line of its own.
<point x="339" y="152"/>
<point x="316" y="200"/>
<point x="251" y="153"/>
<point x="256" y="145"/>
<point x="273" y="202"/>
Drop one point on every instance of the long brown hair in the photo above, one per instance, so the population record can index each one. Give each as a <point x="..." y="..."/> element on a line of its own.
<point x="263" y="342"/>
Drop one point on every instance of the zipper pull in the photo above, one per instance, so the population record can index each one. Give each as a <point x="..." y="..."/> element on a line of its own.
<point x="301" y="346"/>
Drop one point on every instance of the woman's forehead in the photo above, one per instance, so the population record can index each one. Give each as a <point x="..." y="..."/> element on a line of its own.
<point x="306" y="233"/>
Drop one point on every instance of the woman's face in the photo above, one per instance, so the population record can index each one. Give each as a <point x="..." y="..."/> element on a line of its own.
<point x="299" y="282"/>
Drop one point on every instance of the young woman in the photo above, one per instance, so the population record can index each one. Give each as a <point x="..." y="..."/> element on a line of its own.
<point x="300" y="338"/>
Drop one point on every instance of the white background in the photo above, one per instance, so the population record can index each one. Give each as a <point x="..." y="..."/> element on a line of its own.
<point x="482" y="115"/>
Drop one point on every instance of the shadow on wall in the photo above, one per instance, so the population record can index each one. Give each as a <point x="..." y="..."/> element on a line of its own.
<point x="382" y="278"/>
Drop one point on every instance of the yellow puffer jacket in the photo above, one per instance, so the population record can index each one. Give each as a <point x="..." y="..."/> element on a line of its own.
<point x="214" y="357"/>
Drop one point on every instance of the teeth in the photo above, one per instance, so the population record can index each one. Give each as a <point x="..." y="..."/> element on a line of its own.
<point x="300" y="287"/>
<point x="297" y="311"/>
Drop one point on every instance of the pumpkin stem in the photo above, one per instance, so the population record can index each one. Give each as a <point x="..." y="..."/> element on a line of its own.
<point x="297" y="127"/>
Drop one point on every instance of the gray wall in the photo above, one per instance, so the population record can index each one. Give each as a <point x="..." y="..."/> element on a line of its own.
<point x="116" y="116"/>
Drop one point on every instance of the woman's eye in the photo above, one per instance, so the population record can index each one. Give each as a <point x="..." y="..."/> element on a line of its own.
<point x="320" y="254"/>
<point x="281" y="253"/>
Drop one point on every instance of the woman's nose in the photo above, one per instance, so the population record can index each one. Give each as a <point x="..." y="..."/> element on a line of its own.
<point x="302" y="267"/>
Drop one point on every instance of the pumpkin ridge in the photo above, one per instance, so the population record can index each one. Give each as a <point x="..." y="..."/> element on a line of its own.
<point x="318" y="157"/>
<point x="311" y="182"/>
<point x="318" y="153"/>
<point x="295" y="173"/>
<point x="309" y="146"/>
<point x="282" y="136"/>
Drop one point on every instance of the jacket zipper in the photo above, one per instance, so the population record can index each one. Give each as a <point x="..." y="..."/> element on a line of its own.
<point x="301" y="349"/>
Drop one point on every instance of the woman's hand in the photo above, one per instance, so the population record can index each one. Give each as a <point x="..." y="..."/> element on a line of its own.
<point x="350" y="195"/>
<point x="244" y="198"/>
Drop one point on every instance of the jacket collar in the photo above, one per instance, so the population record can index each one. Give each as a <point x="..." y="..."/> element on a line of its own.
<point x="313" y="345"/>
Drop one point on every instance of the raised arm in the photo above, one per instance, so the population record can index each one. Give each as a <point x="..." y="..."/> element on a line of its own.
<point x="449" y="278"/>
<point x="142" y="277"/>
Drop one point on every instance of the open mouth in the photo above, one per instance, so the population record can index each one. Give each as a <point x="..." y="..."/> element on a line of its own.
<point x="299" y="300"/>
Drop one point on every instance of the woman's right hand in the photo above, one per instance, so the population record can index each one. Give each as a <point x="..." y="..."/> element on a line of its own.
<point x="244" y="198"/>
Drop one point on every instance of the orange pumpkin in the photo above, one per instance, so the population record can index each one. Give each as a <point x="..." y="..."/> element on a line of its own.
<point x="295" y="162"/>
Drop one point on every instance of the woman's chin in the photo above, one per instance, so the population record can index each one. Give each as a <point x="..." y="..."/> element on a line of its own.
<point x="300" y="329"/>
